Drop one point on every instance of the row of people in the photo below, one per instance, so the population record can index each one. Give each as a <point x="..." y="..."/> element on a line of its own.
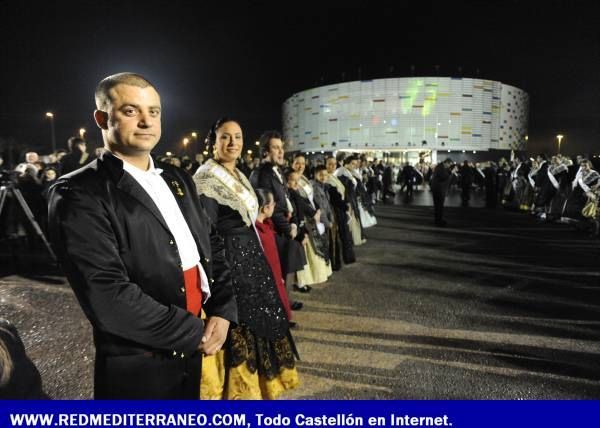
<point x="150" y="250"/>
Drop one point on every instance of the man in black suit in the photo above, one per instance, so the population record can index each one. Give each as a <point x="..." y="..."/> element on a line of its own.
<point x="270" y="177"/>
<point x="141" y="254"/>
<point x="440" y="181"/>
<point x="466" y="182"/>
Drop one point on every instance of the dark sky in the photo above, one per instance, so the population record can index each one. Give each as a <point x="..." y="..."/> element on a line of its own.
<point x="244" y="59"/>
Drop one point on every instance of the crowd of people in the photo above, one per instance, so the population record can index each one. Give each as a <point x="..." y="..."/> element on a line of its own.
<point x="556" y="190"/>
<point x="190" y="271"/>
<point x="244" y="239"/>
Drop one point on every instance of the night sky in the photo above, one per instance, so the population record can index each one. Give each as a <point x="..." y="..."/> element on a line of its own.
<point x="243" y="60"/>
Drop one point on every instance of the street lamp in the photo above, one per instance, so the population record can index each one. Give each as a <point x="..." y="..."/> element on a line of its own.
<point x="185" y="143"/>
<point x="559" y="137"/>
<point x="82" y="133"/>
<point x="195" y="137"/>
<point x="257" y="143"/>
<point x="50" y="116"/>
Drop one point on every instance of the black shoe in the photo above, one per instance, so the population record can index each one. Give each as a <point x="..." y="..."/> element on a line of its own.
<point x="305" y="289"/>
<point x="293" y="324"/>
<point x="296" y="306"/>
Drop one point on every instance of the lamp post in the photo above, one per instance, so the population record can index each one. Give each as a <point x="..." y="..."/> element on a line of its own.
<point x="559" y="137"/>
<point x="82" y="133"/>
<point x="50" y="116"/>
<point x="185" y="143"/>
<point x="195" y="146"/>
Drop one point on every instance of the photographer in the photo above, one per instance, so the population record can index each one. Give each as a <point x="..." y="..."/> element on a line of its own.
<point x="14" y="223"/>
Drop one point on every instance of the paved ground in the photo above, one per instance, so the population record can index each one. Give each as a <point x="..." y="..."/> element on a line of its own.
<point x="494" y="306"/>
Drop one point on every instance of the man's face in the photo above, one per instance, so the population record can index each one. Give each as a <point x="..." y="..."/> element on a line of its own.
<point x="133" y="126"/>
<point x="276" y="151"/>
<point x="331" y="165"/>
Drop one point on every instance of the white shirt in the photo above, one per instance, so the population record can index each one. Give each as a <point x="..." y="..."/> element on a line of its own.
<point x="162" y="196"/>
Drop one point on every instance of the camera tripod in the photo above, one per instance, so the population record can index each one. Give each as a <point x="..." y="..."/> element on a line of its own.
<point x="16" y="193"/>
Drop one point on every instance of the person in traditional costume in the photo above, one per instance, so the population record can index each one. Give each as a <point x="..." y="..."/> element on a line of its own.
<point x="322" y="199"/>
<point x="342" y="244"/>
<point x="490" y="173"/>
<point x="258" y="360"/>
<point x="268" y="238"/>
<point x="365" y="203"/>
<point x="585" y="179"/>
<point x="318" y="267"/>
<point x="559" y="178"/>
<point x="544" y="190"/>
<point x="350" y="183"/>
<point x="269" y="176"/>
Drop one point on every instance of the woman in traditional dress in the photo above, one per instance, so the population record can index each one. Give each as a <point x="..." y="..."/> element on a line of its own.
<point x="585" y="179"/>
<point x="344" y="174"/>
<point x="268" y="239"/>
<point x="341" y="208"/>
<point x="558" y="175"/>
<point x="365" y="204"/>
<point x="259" y="356"/>
<point x="318" y="267"/>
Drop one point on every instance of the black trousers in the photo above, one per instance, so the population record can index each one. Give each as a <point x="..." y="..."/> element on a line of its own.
<point x="466" y="195"/>
<point x="148" y="377"/>
<point x="438" y="205"/>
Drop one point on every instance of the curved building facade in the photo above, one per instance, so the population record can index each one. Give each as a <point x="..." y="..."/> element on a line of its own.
<point x="415" y="114"/>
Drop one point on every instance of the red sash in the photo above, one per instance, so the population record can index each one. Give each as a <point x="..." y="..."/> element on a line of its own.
<point x="193" y="292"/>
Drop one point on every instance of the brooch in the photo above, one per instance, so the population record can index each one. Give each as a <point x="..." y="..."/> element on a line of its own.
<point x="177" y="187"/>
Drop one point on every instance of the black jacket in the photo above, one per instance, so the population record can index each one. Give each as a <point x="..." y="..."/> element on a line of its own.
<point x="72" y="161"/>
<point x="440" y="179"/>
<point x="264" y="177"/>
<point x="123" y="263"/>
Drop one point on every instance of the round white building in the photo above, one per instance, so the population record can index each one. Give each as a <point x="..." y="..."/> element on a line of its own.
<point x="408" y="118"/>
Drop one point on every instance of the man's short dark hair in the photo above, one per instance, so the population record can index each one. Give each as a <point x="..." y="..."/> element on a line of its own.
<point x="102" y="94"/>
<point x="265" y="141"/>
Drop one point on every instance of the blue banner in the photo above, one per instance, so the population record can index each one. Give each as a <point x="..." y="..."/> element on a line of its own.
<point x="257" y="414"/>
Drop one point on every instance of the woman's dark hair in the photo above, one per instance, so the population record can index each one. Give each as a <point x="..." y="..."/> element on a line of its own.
<point x="211" y="137"/>
<point x="265" y="141"/>
<point x="349" y="159"/>
<point x="320" y="168"/>
<point x="298" y="155"/>
<point x="264" y="196"/>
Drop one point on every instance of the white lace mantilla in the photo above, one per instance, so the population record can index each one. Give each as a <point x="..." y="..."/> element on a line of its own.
<point x="343" y="171"/>
<point x="335" y="182"/>
<point x="306" y="190"/>
<point x="214" y="181"/>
